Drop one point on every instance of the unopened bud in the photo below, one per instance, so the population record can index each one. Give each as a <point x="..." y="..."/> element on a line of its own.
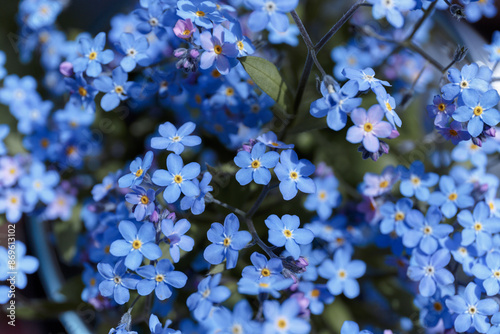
<point x="460" y="53"/>
<point x="66" y="69"/>
<point x="457" y="11"/>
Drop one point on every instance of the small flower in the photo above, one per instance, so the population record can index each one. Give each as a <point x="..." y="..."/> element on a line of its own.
<point x="262" y="267"/>
<point x="201" y="13"/>
<point x="470" y="77"/>
<point x="93" y="55"/>
<point x="350" y="327"/>
<point x="174" y="236"/>
<point x="136" y="245"/>
<point x="226" y="242"/>
<point x="156" y="328"/>
<point x="450" y="197"/>
<point x="255" y="165"/>
<point x="177" y="178"/>
<point x="284" y="319"/>
<point x="117" y="282"/>
<point x="414" y="182"/>
<point x="293" y="175"/>
<point x="135" y="51"/>
<point x="365" y="78"/>
<point x="39" y="184"/>
<point x="201" y="302"/>
<point x="197" y="203"/>
<point x="441" y="109"/>
<point x="271" y="285"/>
<point x="478" y="227"/>
<point x="138" y="168"/>
<point x="368" y="128"/>
<point x="184" y="29"/>
<point x="425" y="232"/>
<point x="489" y="272"/>
<point x="395" y="216"/>
<point x="270" y="139"/>
<point x="217" y="50"/>
<point x="23" y="264"/>
<point x="391" y="10"/>
<point x="472" y="311"/>
<point x="454" y="132"/>
<point x="115" y="88"/>
<point x="342" y="273"/>
<point x="175" y="140"/>
<point x="143" y="201"/>
<point x="286" y="232"/>
<point x="273" y="12"/>
<point x="160" y="278"/>
<point x="429" y="270"/>
<point x="388" y="104"/>
<point x="325" y="198"/>
<point x="478" y="109"/>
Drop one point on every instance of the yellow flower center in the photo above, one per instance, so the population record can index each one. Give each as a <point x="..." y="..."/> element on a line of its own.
<point x="175" y="139"/>
<point x="218" y="49"/>
<point x="282" y="324"/>
<point x="92" y="55"/>
<point x="92" y="281"/>
<point x="240" y="45"/>
<point x="453" y="133"/>
<point x="265" y="272"/>
<point x="136" y="244"/>
<point x="322" y="195"/>
<point x="399" y="216"/>
<point x="490" y="204"/>
<point x="117" y="279"/>
<point x="255" y="164"/>
<point x="119" y="90"/>
<point x="13" y="200"/>
<point x="139" y="172"/>
<point x="473" y="147"/>
<point x="315" y="293"/>
<point x="441" y="107"/>
<point x="427" y="230"/>
<point x="178" y="179"/>
<point x="368" y="127"/>
<point x="453" y="196"/>
<point x="287" y="233"/>
<point x="229" y="91"/>
<point x="200" y="13"/>
<point x="12" y="171"/>
<point x="496" y="273"/>
<point x="478" y="226"/>
<point x="216" y="73"/>
<point x="206" y="293"/>
<point x="388" y="106"/>
<point x="342" y="273"/>
<point x="438" y="306"/>
<point x="44" y="142"/>
<point x="186" y="32"/>
<point x="472" y="309"/>
<point x="415" y="180"/>
<point x="159" y="278"/>
<point x="294" y="175"/>
<point x="82" y="91"/>
<point x="384" y="184"/>
<point x="478" y="110"/>
<point x="227" y="242"/>
<point x="464" y="84"/>
<point x="144" y="199"/>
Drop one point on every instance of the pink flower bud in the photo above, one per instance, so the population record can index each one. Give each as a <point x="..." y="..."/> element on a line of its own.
<point x="66" y="69"/>
<point x="394" y="134"/>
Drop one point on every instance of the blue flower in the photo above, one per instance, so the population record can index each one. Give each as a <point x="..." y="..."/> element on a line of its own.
<point x="290" y="36"/>
<point x="16" y="91"/>
<point x="365" y="78"/>
<point x="478" y="227"/>
<point x="236" y="37"/>
<point x="99" y="191"/>
<point x="350" y="327"/>
<point x="489" y="273"/>
<point x="197" y="203"/>
<point x="160" y="278"/>
<point x="433" y="309"/>
<point x="470" y="77"/>
<point x="134" y="51"/>
<point x="317" y="296"/>
<point x="39" y="184"/>
<point x="273" y="12"/>
<point x="326" y="198"/>
<point x="394" y="216"/>
<point x="138" y="168"/>
<point x="92" y="55"/>
<point x="388" y="104"/>
<point x="202" y="13"/>
<point x="115" y="88"/>
<point x="293" y="175"/>
<point x="425" y="232"/>
<point x="255" y="165"/>
<point x="270" y="139"/>
<point x="177" y="178"/>
<point x="492" y="48"/>
<point x="174" y="140"/>
<point x="143" y="201"/>
<point x="336" y="104"/>
<point x="151" y="19"/>
<point x="450" y="197"/>
<point x="342" y="273"/>
<point x="284" y="319"/>
<point x="429" y="270"/>
<point x="23" y="264"/>
<point x="478" y="109"/>
<point x="82" y="93"/>
<point x="136" y="245"/>
<point x="471" y="310"/>
<point x="226" y="242"/>
<point x="415" y="182"/>
<point x="368" y="127"/>
<point x="286" y="232"/>
<point x="391" y="10"/>
<point x="156" y="328"/>
<point x="201" y="302"/>
<point x="271" y="285"/>
<point x="174" y="236"/>
<point x="262" y="267"/>
<point x="218" y="50"/>
<point x="441" y="109"/>
<point x="117" y="282"/>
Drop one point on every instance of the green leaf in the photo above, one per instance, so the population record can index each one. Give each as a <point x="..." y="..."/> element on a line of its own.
<point x="268" y="78"/>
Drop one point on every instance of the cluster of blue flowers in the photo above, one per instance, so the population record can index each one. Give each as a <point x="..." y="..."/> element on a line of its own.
<point x="167" y="231"/>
